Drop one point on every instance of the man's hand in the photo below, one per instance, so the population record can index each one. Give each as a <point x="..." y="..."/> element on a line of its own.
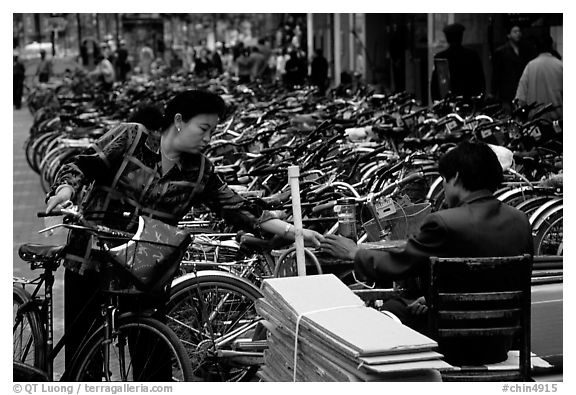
<point x="418" y="307"/>
<point x="339" y="247"/>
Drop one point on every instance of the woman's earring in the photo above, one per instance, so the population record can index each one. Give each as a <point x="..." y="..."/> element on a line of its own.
<point x="178" y="130"/>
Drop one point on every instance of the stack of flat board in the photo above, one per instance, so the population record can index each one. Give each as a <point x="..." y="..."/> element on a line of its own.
<point x="339" y="338"/>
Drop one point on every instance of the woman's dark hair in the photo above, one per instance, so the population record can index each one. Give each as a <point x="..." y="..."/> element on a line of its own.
<point x="191" y="103"/>
<point x="150" y="116"/>
<point x="476" y="164"/>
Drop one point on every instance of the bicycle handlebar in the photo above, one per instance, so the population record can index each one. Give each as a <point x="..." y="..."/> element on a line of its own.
<point x="386" y="191"/>
<point x="82" y="223"/>
<point x="53" y="213"/>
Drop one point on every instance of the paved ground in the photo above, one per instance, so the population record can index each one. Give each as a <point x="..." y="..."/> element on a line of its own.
<point x="28" y="199"/>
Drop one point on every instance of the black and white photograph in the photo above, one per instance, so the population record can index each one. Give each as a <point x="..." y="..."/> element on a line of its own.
<point x="287" y="197"/>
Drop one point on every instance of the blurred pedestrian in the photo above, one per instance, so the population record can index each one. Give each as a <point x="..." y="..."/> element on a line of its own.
<point x="464" y="75"/>
<point x="227" y="60"/>
<point x="319" y="72"/>
<point x="541" y="81"/>
<point x="281" y="59"/>
<point x="291" y="74"/>
<point x="19" y="74"/>
<point x="104" y="73"/>
<point x="202" y="64"/>
<point x="122" y="64"/>
<point x="188" y="57"/>
<point x="258" y="63"/>
<point x="217" y="59"/>
<point x="44" y="70"/>
<point x="509" y="62"/>
<point x="146" y="57"/>
<point x="244" y="66"/>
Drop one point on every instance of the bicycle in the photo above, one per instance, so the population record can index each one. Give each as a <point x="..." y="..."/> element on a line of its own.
<point x="120" y="346"/>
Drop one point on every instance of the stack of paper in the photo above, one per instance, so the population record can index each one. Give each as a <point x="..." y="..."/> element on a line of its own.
<point x="339" y="338"/>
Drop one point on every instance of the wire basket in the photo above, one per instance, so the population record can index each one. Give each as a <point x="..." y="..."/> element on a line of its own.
<point x="401" y="225"/>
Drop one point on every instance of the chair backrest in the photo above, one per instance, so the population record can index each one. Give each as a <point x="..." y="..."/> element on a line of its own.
<point x="481" y="298"/>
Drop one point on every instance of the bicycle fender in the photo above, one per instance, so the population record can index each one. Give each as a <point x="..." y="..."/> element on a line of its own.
<point x="539" y="215"/>
<point x="205" y="273"/>
<point x="433" y="187"/>
<point x="542" y="218"/>
<point x="512" y="193"/>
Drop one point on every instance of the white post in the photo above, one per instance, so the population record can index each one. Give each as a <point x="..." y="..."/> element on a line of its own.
<point x="293" y="178"/>
<point x="337" y="49"/>
<point x="310" y="39"/>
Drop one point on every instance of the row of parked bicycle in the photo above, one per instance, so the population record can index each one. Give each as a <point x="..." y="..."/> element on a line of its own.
<point x="377" y="151"/>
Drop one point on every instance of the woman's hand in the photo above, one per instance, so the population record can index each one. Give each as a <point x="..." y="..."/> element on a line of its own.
<point x="64" y="195"/>
<point x="339" y="247"/>
<point x="312" y="237"/>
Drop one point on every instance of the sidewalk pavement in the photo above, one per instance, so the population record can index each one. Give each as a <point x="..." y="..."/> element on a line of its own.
<point x="28" y="199"/>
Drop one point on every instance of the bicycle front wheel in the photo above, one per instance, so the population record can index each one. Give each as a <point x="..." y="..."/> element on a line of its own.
<point x="140" y="349"/>
<point x="215" y="317"/>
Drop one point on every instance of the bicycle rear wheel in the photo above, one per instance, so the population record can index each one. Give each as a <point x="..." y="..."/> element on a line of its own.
<point x="28" y="338"/>
<point x="215" y="317"/>
<point x="141" y="349"/>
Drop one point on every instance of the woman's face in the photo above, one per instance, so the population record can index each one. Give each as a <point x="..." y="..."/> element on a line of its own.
<point x="195" y="134"/>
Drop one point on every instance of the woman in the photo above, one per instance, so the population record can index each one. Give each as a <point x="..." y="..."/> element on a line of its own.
<point x="160" y="175"/>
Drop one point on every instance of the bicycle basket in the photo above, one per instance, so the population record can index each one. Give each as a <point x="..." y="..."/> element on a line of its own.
<point x="153" y="255"/>
<point x="400" y="225"/>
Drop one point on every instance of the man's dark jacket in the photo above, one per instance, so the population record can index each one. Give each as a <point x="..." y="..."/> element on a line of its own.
<point x="466" y="72"/>
<point x="508" y="68"/>
<point x="481" y="226"/>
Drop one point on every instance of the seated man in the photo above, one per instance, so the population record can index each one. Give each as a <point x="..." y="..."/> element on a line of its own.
<point x="476" y="224"/>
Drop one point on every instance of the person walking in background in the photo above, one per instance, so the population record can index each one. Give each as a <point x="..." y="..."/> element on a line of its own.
<point x="19" y="74"/>
<point x="259" y="63"/>
<point x="541" y="81"/>
<point x="292" y="75"/>
<point x="244" y="66"/>
<point x="122" y="64"/>
<point x="466" y="76"/>
<point x="104" y="72"/>
<point x="203" y="64"/>
<point x="146" y="57"/>
<point x="508" y="65"/>
<point x="217" y="59"/>
<point x="44" y="70"/>
<point x="319" y="72"/>
<point x="281" y="59"/>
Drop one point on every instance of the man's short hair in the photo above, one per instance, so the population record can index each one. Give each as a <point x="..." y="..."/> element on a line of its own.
<point x="544" y="43"/>
<point x="476" y="164"/>
<point x="454" y="33"/>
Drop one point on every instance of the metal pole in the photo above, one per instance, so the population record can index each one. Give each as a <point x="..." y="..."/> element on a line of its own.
<point x="117" y="17"/>
<point x="293" y="177"/>
<point x="79" y="26"/>
<point x="337" y="50"/>
<point x="351" y="49"/>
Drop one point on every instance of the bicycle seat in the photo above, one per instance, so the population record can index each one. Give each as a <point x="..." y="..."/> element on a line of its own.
<point x="39" y="252"/>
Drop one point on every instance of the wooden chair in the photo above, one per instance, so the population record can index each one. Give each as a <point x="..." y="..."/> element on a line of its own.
<point x="497" y="302"/>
